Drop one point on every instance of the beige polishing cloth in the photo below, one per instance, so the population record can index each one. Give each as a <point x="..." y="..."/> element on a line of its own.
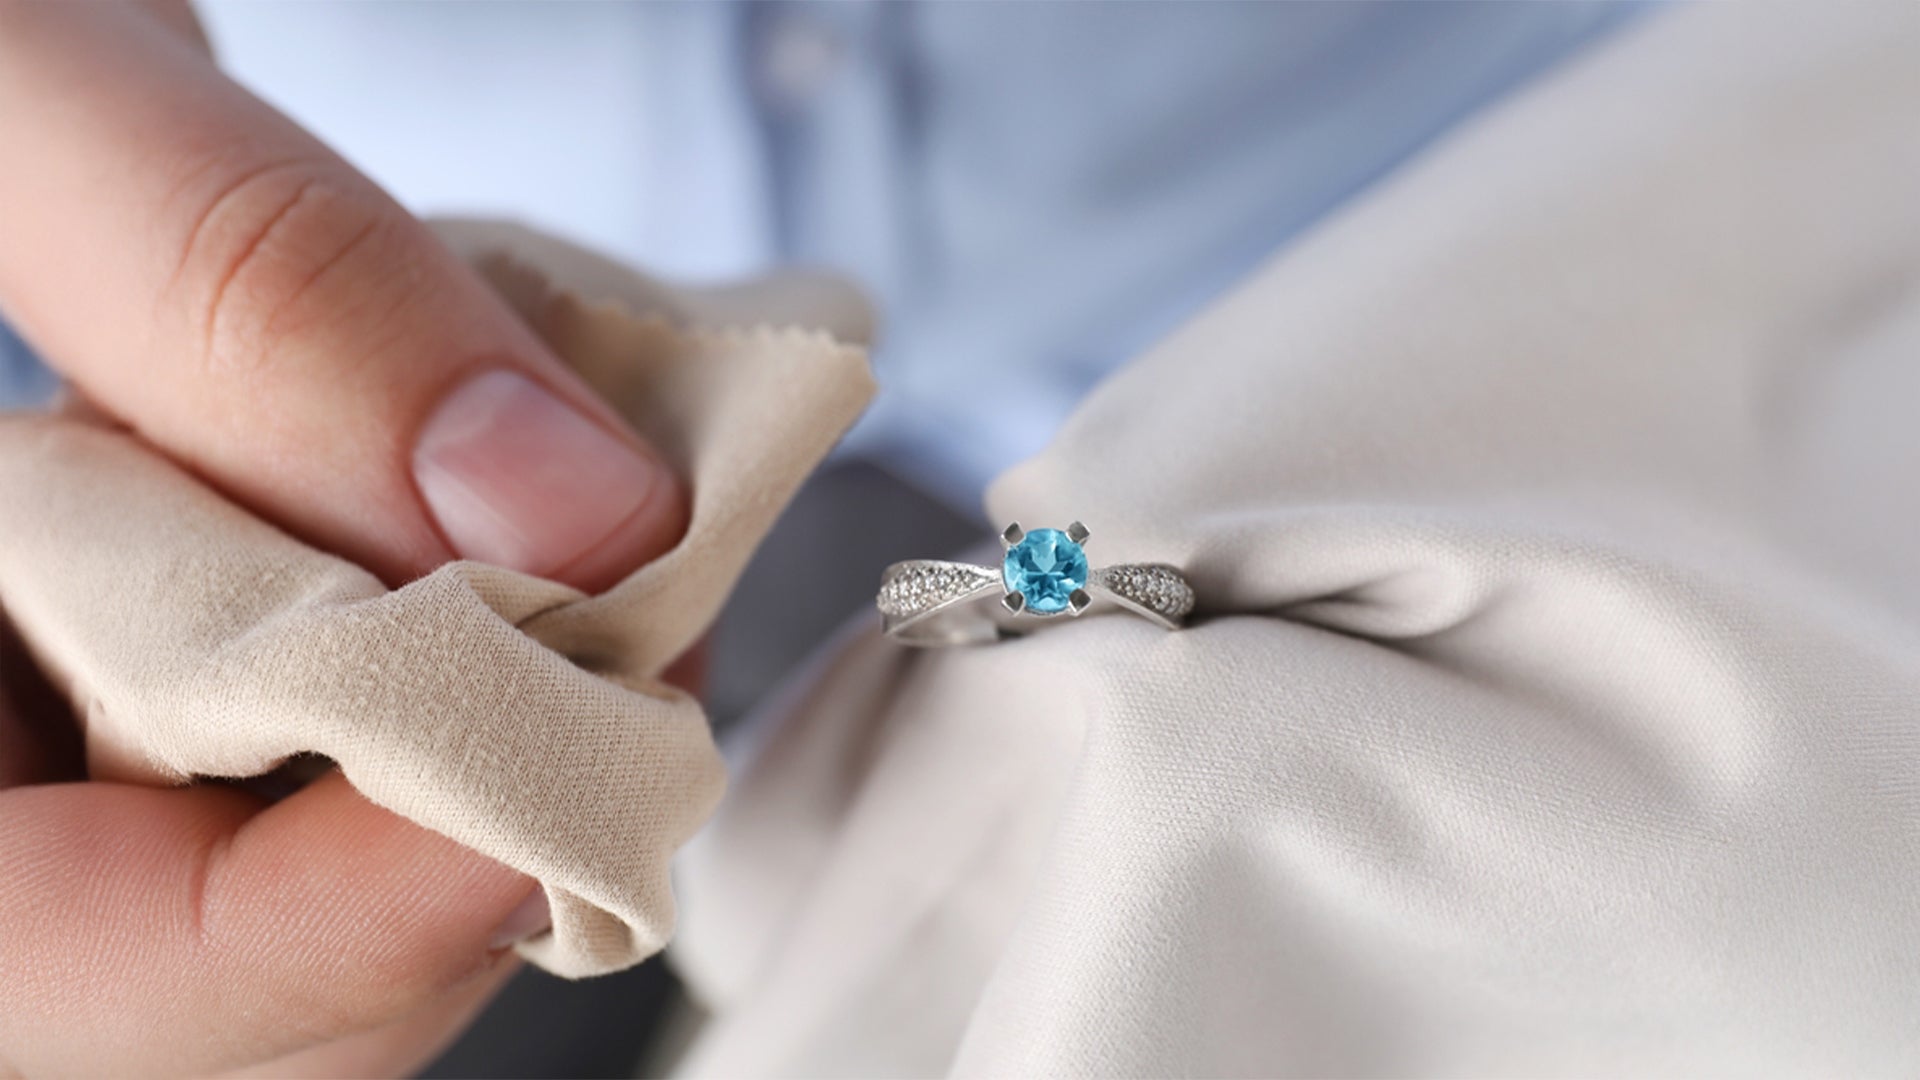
<point x="514" y="715"/>
<point x="1555" y="708"/>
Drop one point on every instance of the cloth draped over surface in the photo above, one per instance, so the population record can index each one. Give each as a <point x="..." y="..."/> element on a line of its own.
<point x="514" y="715"/>
<point x="1554" y="704"/>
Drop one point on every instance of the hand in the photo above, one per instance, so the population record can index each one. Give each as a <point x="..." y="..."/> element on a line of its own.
<point x="220" y="282"/>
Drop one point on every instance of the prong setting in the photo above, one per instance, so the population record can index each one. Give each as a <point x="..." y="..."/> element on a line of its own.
<point x="1044" y="573"/>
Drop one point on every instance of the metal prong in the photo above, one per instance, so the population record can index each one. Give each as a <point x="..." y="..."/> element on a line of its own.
<point x="1012" y="536"/>
<point x="1078" y="602"/>
<point x="1077" y="533"/>
<point x="1013" y="601"/>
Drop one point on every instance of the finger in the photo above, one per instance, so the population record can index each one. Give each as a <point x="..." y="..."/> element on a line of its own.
<point x="401" y="1048"/>
<point x="192" y="931"/>
<point x="230" y="288"/>
<point x="179" y="16"/>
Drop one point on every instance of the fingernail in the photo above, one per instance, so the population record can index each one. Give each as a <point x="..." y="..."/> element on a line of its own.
<point x="530" y="919"/>
<point x="518" y="478"/>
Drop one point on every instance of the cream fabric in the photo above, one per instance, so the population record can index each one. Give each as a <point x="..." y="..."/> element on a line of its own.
<point x="512" y="714"/>
<point x="1555" y="707"/>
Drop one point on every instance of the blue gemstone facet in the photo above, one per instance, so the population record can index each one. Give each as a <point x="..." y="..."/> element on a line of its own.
<point x="1045" y="568"/>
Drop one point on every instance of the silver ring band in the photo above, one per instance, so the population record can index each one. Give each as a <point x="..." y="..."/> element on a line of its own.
<point x="1045" y="574"/>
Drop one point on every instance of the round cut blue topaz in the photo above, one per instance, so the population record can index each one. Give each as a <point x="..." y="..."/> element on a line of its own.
<point x="1045" y="568"/>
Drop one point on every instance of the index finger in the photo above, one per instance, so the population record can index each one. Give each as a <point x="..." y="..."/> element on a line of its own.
<point x="245" y="300"/>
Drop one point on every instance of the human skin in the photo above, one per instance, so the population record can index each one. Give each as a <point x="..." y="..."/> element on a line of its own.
<point x="208" y="275"/>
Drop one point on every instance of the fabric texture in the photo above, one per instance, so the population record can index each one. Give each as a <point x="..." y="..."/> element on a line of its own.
<point x="1554" y="703"/>
<point x="512" y="714"/>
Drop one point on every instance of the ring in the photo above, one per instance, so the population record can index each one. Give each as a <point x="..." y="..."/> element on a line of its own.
<point x="1044" y="574"/>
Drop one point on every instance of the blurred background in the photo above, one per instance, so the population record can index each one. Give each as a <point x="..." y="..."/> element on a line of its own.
<point x="1032" y="193"/>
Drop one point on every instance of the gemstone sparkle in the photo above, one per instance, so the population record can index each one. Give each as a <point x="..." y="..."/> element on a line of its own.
<point x="1045" y="568"/>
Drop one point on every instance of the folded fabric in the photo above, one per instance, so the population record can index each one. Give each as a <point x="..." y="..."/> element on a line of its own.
<point x="1554" y="706"/>
<point x="512" y="714"/>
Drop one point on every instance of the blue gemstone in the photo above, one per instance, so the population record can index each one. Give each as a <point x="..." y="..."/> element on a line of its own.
<point x="1045" y="568"/>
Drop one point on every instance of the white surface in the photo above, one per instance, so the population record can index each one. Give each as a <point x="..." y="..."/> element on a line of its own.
<point x="1557" y="711"/>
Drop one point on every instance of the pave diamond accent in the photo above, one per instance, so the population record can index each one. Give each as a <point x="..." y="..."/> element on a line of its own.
<point x="914" y="588"/>
<point x="1151" y="585"/>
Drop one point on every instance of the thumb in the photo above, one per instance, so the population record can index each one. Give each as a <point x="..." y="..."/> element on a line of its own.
<point x="153" y="933"/>
<point x="217" y="279"/>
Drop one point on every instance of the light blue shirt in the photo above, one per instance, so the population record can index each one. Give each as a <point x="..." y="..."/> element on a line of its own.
<point x="23" y="381"/>
<point x="1035" y="192"/>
